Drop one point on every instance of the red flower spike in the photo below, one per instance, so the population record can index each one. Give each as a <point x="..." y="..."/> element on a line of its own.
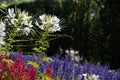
<point x="30" y="75"/>
<point x="49" y="71"/>
<point x="18" y="69"/>
<point x="0" y="58"/>
<point x="3" y="67"/>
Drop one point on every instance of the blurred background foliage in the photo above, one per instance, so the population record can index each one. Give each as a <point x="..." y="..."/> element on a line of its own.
<point x="93" y="24"/>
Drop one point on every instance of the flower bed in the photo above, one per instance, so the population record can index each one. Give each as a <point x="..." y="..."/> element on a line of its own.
<point x="20" y="29"/>
<point x="59" y="69"/>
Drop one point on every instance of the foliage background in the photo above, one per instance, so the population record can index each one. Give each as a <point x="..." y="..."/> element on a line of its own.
<point x="93" y="24"/>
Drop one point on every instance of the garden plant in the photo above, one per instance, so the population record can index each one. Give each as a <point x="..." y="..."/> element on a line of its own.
<point x="18" y="27"/>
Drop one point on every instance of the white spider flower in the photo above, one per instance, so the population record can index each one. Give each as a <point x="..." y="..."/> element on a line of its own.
<point x="55" y="20"/>
<point x="11" y="13"/>
<point x="30" y="24"/>
<point x="25" y="15"/>
<point x="67" y="51"/>
<point x="54" y="28"/>
<point x="48" y="21"/>
<point x="42" y="27"/>
<point x="11" y="16"/>
<point x="14" y="21"/>
<point x="45" y="19"/>
<point x="26" y="31"/>
<point x="72" y="52"/>
<point x="85" y="76"/>
<point x="77" y="58"/>
<point x="1" y="42"/>
<point x="27" y="23"/>
<point x="2" y="34"/>
<point x="18" y="29"/>
<point x="2" y="26"/>
<point x="95" y="77"/>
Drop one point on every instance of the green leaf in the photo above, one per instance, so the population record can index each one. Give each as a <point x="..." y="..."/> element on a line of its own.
<point x="44" y="77"/>
<point x="47" y="77"/>
<point x="34" y="64"/>
<point x="89" y="77"/>
<point x="36" y="49"/>
<point x="57" y="78"/>
<point x="42" y="48"/>
<point x="47" y="59"/>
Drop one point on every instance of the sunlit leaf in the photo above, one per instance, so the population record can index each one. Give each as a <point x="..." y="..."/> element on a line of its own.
<point x="34" y="64"/>
<point x="47" y="59"/>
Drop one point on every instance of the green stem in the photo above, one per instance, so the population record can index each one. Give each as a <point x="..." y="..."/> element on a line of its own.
<point x="24" y="40"/>
<point x="42" y="42"/>
<point x="59" y="36"/>
<point x="24" y="45"/>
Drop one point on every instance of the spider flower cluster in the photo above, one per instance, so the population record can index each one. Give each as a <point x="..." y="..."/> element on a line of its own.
<point x="20" y="24"/>
<point x="48" y="21"/>
<point x="24" y="22"/>
<point x="20" y="20"/>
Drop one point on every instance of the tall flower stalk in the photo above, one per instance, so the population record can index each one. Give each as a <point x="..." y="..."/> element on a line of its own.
<point x="49" y="24"/>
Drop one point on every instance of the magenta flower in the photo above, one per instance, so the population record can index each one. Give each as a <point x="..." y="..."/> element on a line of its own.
<point x="18" y="69"/>
<point x="0" y="58"/>
<point x="49" y="71"/>
<point x="30" y="75"/>
<point x="3" y="65"/>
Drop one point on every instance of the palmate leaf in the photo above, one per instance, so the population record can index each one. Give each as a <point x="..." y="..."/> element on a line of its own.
<point x="47" y="59"/>
<point x="89" y="77"/>
<point x="11" y="39"/>
<point x="44" y="77"/>
<point x="36" y="49"/>
<point x="57" y="78"/>
<point x="42" y="48"/>
<point x="34" y="64"/>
